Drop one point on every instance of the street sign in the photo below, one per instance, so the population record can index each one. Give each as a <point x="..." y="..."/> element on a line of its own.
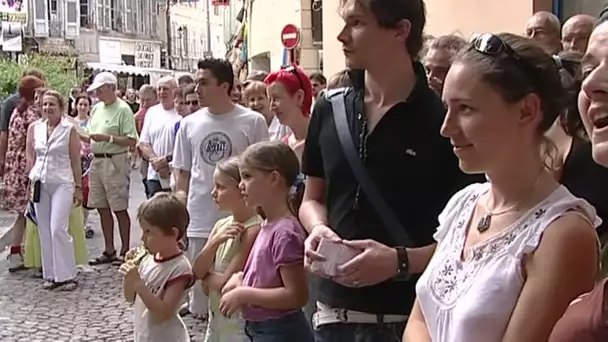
<point x="290" y="36"/>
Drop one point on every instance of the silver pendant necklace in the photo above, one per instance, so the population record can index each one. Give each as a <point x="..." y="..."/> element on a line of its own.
<point x="486" y="220"/>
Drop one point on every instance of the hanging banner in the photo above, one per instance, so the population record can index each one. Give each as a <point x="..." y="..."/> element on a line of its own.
<point x="13" y="11"/>
<point x="12" y="37"/>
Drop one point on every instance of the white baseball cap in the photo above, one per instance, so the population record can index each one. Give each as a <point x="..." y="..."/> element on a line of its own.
<point x="101" y="79"/>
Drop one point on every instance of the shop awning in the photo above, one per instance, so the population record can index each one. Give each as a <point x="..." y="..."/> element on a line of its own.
<point x="128" y="69"/>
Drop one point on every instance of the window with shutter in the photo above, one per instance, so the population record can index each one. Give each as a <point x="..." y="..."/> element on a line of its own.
<point x="145" y="9"/>
<point x="41" y="18"/>
<point x="72" y="16"/>
<point x="107" y="14"/>
<point x="185" y="40"/>
<point x="84" y="13"/>
<point x="127" y="17"/>
<point x="99" y="15"/>
<point x="140" y="21"/>
<point x="316" y="19"/>
<point x="154" y="24"/>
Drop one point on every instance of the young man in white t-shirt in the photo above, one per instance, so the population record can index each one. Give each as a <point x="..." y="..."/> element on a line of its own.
<point x="157" y="137"/>
<point x="219" y="130"/>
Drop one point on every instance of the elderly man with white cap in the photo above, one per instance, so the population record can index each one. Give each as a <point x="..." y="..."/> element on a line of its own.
<point x="111" y="132"/>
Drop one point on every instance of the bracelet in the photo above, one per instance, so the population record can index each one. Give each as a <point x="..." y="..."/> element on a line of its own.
<point x="111" y="140"/>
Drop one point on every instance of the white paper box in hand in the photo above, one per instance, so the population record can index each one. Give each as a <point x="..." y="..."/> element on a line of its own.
<point x="336" y="254"/>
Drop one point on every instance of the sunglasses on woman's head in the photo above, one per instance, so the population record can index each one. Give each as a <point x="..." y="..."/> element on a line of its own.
<point x="492" y="45"/>
<point x="292" y="70"/>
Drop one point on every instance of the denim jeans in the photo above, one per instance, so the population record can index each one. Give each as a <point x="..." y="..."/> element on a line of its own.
<point x="291" y="328"/>
<point x="352" y="332"/>
<point x="311" y="305"/>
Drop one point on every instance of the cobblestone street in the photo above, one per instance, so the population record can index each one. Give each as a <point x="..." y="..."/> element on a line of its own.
<point x="95" y="311"/>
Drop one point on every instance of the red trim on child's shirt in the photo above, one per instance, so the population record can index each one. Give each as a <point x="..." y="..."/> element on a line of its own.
<point x="158" y="258"/>
<point x="189" y="277"/>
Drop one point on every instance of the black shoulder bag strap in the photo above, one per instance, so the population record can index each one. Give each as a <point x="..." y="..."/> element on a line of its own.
<point x="390" y="221"/>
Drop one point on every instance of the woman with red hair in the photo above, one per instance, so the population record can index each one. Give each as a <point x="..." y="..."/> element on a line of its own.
<point x="16" y="183"/>
<point x="290" y="94"/>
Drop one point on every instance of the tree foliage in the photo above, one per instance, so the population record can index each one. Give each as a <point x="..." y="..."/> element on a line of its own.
<point x="59" y="72"/>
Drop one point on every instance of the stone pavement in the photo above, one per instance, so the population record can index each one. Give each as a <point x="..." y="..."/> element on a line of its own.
<point x="95" y="311"/>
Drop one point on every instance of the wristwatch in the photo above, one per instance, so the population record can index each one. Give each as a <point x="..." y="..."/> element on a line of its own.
<point x="403" y="264"/>
<point x="169" y="158"/>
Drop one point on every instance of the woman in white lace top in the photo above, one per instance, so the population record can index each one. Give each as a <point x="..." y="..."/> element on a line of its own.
<point x="513" y="253"/>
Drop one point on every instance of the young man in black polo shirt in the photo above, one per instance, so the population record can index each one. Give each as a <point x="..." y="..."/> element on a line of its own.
<point x="411" y="165"/>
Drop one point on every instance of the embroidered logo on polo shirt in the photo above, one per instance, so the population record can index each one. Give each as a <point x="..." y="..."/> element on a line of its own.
<point x="410" y="152"/>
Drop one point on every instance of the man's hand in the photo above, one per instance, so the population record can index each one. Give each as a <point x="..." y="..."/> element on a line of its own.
<point x="164" y="172"/>
<point x="159" y="163"/>
<point x="312" y="243"/>
<point x="99" y="137"/>
<point x="375" y="264"/>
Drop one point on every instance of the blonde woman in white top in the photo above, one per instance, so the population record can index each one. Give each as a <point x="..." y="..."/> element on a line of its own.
<point x="512" y="253"/>
<point x="53" y="158"/>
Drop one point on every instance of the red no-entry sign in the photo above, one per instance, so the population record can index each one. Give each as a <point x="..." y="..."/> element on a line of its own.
<point x="290" y="36"/>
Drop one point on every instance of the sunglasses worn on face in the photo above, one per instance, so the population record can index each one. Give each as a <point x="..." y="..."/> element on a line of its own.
<point x="191" y="103"/>
<point x="292" y="70"/>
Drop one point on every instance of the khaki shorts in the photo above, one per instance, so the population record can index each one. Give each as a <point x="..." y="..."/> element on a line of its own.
<point x="109" y="181"/>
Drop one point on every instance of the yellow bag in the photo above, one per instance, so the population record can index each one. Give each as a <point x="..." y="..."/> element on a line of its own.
<point x="33" y="253"/>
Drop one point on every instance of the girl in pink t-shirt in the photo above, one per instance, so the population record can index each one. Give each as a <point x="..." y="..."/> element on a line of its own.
<point x="272" y="290"/>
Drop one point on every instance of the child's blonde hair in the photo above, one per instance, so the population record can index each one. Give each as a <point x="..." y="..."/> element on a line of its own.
<point x="167" y="212"/>
<point x="272" y="156"/>
<point x="254" y="87"/>
<point x="230" y="168"/>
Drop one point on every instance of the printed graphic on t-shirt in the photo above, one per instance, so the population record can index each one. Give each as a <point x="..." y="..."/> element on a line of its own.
<point x="216" y="147"/>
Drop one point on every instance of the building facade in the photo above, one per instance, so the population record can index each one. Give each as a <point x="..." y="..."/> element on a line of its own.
<point x="265" y="48"/>
<point x="115" y="32"/>
<point x="462" y="17"/>
<point x="196" y="30"/>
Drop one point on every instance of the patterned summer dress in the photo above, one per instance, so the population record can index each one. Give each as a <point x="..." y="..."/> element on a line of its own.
<point x="16" y="182"/>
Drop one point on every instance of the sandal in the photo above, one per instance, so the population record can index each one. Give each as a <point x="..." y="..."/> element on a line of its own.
<point x="37" y="274"/>
<point x="119" y="260"/>
<point x="104" y="258"/>
<point x="49" y="285"/>
<point x="69" y="285"/>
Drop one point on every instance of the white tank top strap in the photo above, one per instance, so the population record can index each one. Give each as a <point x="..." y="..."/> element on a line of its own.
<point x="527" y="234"/>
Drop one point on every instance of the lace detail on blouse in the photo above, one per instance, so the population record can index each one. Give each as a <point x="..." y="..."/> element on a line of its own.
<point x="469" y="294"/>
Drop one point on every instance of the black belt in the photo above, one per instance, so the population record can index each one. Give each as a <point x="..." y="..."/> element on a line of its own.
<point x="106" y="155"/>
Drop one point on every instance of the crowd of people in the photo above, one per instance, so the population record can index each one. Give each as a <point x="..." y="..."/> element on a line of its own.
<point x="448" y="191"/>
